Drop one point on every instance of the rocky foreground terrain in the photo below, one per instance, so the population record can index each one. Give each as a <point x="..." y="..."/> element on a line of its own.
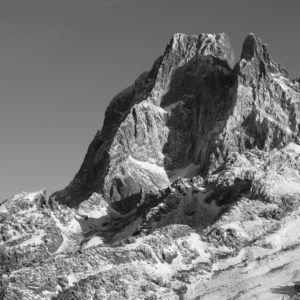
<point x="191" y="190"/>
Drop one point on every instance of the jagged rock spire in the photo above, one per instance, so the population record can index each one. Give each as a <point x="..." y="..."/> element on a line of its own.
<point x="255" y="50"/>
<point x="253" y="46"/>
<point x="182" y="48"/>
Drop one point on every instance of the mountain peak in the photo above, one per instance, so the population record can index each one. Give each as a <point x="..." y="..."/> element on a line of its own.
<point x="254" y="48"/>
<point x="183" y="48"/>
<point x="204" y="44"/>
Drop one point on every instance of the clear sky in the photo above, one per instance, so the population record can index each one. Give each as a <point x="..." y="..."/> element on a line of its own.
<point x="62" y="61"/>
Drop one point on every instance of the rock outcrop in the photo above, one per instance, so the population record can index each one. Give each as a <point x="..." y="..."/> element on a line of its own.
<point x="185" y="116"/>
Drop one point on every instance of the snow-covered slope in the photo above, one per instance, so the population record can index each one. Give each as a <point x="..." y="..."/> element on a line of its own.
<point x="233" y="235"/>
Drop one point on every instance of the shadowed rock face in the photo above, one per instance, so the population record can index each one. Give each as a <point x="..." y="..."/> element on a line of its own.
<point x="185" y="117"/>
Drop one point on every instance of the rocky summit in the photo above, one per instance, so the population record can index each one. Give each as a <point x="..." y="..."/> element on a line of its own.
<point x="191" y="190"/>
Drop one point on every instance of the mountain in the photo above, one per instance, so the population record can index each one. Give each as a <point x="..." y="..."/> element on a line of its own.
<point x="190" y="190"/>
<point x="185" y="116"/>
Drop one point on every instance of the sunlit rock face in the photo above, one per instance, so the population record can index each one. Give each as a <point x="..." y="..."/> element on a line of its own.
<point x="185" y="116"/>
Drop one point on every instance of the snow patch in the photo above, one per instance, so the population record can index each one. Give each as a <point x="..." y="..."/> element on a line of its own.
<point x="72" y="279"/>
<point x="288" y="235"/>
<point x="282" y="81"/>
<point x="196" y="244"/>
<point x="188" y="172"/>
<point x="36" y="239"/>
<point x="73" y="226"/>
<point x="3" y="209"/>
<point x="99" y="212"/>
<point x="173" y="105"/>
<point x="94" y="241"/>
<point x="291" y="147"/>
<point x="154" y="168"/>
<point x="287" y="186"/>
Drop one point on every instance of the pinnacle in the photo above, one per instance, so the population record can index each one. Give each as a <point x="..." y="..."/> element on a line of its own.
<point x="253" y="46"/>
<point x="204" y="44"/>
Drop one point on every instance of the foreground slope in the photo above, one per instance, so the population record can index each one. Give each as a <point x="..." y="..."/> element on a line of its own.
<point x="233" y="235"/>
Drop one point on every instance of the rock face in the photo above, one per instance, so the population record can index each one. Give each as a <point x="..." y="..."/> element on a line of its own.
<point x="185" y="116"/>
<point x="190" y="191"/>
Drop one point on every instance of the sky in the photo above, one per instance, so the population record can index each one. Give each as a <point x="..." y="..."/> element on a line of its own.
<point x="62" y="61"/>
